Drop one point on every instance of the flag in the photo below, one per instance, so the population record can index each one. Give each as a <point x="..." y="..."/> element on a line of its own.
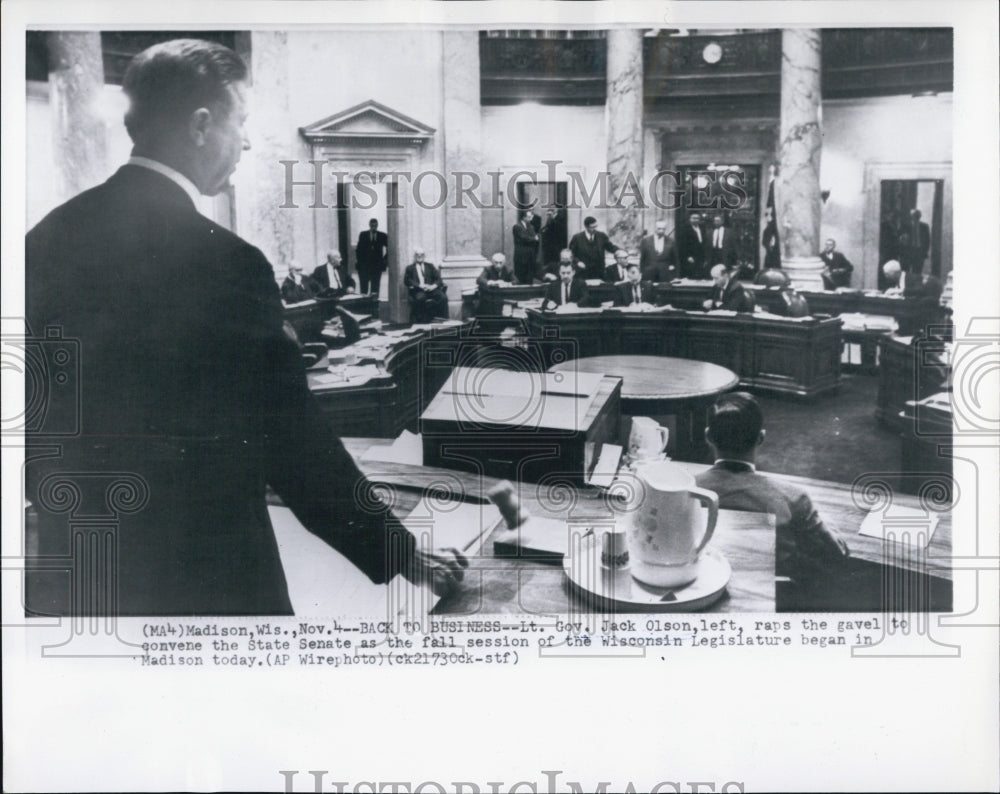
<point x="772" y="248"/>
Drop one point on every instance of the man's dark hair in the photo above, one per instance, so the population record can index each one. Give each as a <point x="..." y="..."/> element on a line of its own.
<point x="735" y="422"/>
<point x="589" y="220"/>
<point x="167" y="82"/>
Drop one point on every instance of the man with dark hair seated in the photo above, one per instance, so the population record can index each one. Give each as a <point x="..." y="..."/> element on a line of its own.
<point x="727" y="292"/>
<point x="567" y="290"/>
<point x="805" y="549"/>
<point x="634" y="291"/>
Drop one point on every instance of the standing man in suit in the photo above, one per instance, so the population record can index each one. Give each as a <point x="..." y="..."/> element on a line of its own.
<point x="618" y="271"/>
<point x="567" y="290"/>
<point x="804" y="547"/>
<point x="553" y="235"/>
<point x="658" y="255"/>
<point x="372" y="257"/>
<point x="634" y="291"/>
<point x="525" y="248"/>
<point x="837" y="272"/>
<point x="428" y="294"/>
<point x="920" y="242"/>
<point x="691" y="248"/>
<point x="727" y="292"/>
<point x="721" y="244"/>
<point x="589" y="246"/>
<point x="332" y="277"/>
<point x="207" y="405"/>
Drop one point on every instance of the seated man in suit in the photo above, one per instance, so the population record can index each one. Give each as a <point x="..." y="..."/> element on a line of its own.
<point x="616" y="273"/>
<point x="551" y="272"/>
<point x="727" y="292"/>
<point x="589" y="246"/>
<point x="837" y="272"/>
<point x="900" y="282"/>
<point x="658" y="255"/>
<point x="332" y="277"/>
<point x="496" y="274"/>
<point x="804" y="547"/>
<point x="567" y="290"/>
<point x="634" y="291"/>
<point x="428" y="294"/>
<point x="296" y="287"/>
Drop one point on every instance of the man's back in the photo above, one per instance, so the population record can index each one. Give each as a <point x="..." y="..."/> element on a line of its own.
<point x="189" y="383"/>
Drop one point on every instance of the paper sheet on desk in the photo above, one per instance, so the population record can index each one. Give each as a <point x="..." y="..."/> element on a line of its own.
<point x="450" y="523"/>
<point x="909" y="526"/>
<point x="481" y="383"/>
<point x="407" y="448"/>
<point x="322" y="582"/>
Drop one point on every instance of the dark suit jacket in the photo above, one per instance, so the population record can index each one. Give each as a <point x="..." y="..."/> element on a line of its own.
<point x="612" y="274"/>
<point x="804" y="547"/>
<point x="689" y="247"/>
<point x="838" y="270"/>
<point x="525" y="244"/>
<point x="196" y="396"/>
<point x="732" y="297"/>
<point x="658" y="267"/>
<point x="625" y="294"/>
<point x="577" y="293"/>
<point x="305" y="290"/>
<point x="720" y="256"/>
<point x="372" y="256"/>
<point x="321" y="276"/>
<point x="432" y="276"/>
<point x="491" y="273"/>
<point x="591" y="253"/>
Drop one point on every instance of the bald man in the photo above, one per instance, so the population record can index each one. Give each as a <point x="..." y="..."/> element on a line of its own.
<point x="332" y="277"/>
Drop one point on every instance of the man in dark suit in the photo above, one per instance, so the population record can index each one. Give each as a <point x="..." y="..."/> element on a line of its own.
<point x="837" y="272"/>
<point x="496" y="274"/>
<point x="727" y="292"/>
<point x="428" y="294"/>
<point x="721" y="245"/>
<point x="804" y="547"/>
<point x="191" y="401"/>
<point x="634" y="291"/>
<point x="297" y="287"/>
<point x="617" y="271"/>
<point x="567" y="290"/>
<point x="658" y="255"/>
<point x="525" y="248"/>
<point x="372" y="257"/>
<point x="691" y="244"/>
<point x="553" y="235"/>
<point x="919" y="234"/>
<point x="900" y="283"/>
<point x="332" y="277"/>
<point x="589" y="246"/>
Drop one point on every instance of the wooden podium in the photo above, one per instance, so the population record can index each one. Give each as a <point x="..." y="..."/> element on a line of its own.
<point x="522" y="426"/>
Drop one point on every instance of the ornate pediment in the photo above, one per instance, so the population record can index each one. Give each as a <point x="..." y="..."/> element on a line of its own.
<point x="367" y="122"/>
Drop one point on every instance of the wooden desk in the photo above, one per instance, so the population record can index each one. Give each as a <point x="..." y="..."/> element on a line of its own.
<point x="797" y="357"/>
<point x="508" y="585"/>
<point x="661" y="385"/>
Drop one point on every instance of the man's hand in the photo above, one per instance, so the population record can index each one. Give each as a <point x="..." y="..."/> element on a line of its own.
<point x="350" y="290"/>
<point x="442" y="569"/>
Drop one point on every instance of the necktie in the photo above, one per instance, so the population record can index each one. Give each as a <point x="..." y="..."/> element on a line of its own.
<point x="565" y="297"/>
<point x="336" y="277"/>
<point x="636" y="297"/>
<point x="718" y="238"/>
<point x="658" y="244"/>
<point x="373" y="238"/>
<point x="697" y="233"/>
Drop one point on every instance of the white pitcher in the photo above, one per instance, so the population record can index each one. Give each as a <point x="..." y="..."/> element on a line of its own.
<point x="665" y="532"/>
<point x="647" y="440"/>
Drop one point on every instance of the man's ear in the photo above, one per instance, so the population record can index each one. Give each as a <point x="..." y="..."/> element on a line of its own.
<point x="760" y="438"/>
<point x="198" y="125"/>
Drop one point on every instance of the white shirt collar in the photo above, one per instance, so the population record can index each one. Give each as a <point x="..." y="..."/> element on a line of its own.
<point x="750" y="466"/>
<point x="172" y="174"/>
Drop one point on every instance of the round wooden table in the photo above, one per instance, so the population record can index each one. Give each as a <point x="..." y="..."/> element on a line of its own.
<point x="661" y="385"/>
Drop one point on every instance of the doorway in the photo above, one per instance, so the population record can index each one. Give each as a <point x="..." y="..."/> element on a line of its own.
<point x="910" y="224"/>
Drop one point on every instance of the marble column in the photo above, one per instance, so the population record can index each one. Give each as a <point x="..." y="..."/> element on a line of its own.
<point x="797" y="190"/>
<point x="260" y="179"/>
<point x="463" y="260"/>
<point x="626" y="189"/>
<point x="76" y="82"/>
